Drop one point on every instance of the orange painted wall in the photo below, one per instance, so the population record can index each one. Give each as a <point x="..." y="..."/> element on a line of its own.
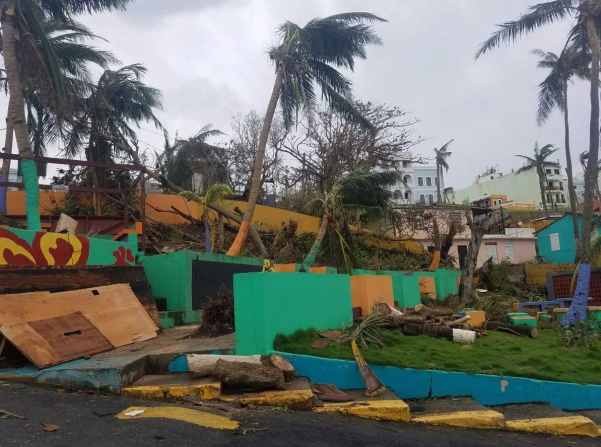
<point x="427" y="285"/>
<point x="368" y="290"/>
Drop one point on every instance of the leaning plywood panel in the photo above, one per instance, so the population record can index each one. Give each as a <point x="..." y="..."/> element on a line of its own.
<point x="57" y="340"/>
<point x="31" y="344"/>
<point x="127" y="321"/>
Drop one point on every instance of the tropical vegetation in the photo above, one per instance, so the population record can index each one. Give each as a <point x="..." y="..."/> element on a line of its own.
<point x="441" y="156"/>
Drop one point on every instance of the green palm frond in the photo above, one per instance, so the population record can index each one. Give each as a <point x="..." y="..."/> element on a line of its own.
<point x="217" y="192"/>
<point x="309" y="56"/>
<point x="536" y="16"/>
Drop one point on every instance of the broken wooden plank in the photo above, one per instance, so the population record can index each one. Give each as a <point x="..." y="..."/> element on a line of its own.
<point x="56" y="340"/>
<point x="114" y="310"/>
<point x="65" y="278"/>
<point x="283" y="365"/>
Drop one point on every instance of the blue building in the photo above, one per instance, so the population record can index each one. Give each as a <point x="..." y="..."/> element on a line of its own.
<point x="556" y="241"/>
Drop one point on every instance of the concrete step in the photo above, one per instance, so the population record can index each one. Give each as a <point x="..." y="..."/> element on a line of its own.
<point x="387" y="406"/>
<point x="173" y="387"/>
<point x="455" y="412"/>
<point x="296" y="396"/>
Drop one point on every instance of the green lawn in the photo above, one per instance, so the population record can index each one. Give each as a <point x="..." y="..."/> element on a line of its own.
<point x="542" y="358"/>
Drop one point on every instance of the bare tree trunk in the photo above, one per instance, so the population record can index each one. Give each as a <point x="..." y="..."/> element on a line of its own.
<point x="312" y="255"/>
<point x="17" y="112"/>
<point x="478" y="226"/>
<point x="221" y="237"/>
<point x="438" y="182"/>
<point x="572" y="193"/>
<point x="238" y="244"/>
<point x="8" y="149"/>
<point x="590" y="177"/>
<point x="207" y="225"/>
<point x="541" y="185"/>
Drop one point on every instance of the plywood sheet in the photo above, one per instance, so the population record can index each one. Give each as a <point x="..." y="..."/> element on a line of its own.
<point x="31" y="344"/>
<point x="114" y="310"/>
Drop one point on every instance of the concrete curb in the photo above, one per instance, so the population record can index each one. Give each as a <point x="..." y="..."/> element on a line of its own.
<point x="387" y="410"/>
<point x="487" y="419"/>
<point x="573" y="425"/>
<point x="293" y="399"/>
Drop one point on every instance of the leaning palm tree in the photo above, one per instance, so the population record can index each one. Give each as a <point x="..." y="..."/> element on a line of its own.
<point x="21" y="23"/>
<point x="586" y="16"/>
<point x="441" y="163"/>
<point x="214" y="195"/>
<point x="119" y="101"/>
<point x="366" y="192"/>
<point x="538" y="163"/>
<point x="68" y="42"/>
<point x="553" y="93"/>
<point x="306" y="56"/>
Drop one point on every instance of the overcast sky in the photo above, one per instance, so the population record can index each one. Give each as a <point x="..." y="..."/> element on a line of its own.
<point x="208" y="57"/>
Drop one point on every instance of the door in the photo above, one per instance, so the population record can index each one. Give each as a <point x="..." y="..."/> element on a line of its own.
<point x="491" y="251"/>
<point x="462" y="251"/>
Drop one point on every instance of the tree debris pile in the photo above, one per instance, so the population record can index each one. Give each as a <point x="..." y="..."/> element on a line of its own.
<point x="217" y="315"/>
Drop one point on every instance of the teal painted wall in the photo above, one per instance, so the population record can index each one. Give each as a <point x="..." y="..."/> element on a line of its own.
<point x="268" y="304"/>
<point x="565" y="230"/>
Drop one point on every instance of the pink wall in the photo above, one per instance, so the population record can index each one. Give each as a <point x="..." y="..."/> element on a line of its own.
<point x="524" y="249"/>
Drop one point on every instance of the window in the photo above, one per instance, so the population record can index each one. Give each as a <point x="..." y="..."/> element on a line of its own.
<point x="509" y="254"/>
<point x="557" y="198"/>
<point x="500" y="201"/>
<point x="428" y="181"/>
<point x="556" y="171"/>
<point x="430" y="199"/>
<point x="550" y="185"/>
<point x="555" y="245"/>
<point x="397" y="195"/>
<point x="405" y="164"/>
<point x="548" y="171"/>
<point x="406" y="179"/>
<point x="487" y="202"/>
<point x="420" y="181"/>
<point x="494" y="202"/>
<point x="563" y="198"/>
<point x="561" y="186"/>
<point x="406" y="195"/>
<point x="491" y="251"/>
<point x="422" y="199"/>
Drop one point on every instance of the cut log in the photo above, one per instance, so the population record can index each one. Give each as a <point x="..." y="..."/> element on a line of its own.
<point x="249" y="375"/>
<point x="428" y="329"/>
<point x="459" y="321"/>
<point x="387" y="310"/>
<point x="203" y="365"/>
<point x="433" y="311"/>
<point x="397" y="322"/>
<point x="283" y="365"/>
<point x="515" y="329"/>
<point x="373" y="386"/>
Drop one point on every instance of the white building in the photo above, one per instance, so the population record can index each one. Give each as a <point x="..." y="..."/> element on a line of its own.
<point x="417" y="185"/>
<point x="579" y="187"/>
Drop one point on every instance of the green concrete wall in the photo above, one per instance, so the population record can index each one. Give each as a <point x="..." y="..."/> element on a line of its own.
<point x="268" y="304"/>
<point x="170" y="275"/>
<point x="406" y="290"/>
<point x="444" y="280"/>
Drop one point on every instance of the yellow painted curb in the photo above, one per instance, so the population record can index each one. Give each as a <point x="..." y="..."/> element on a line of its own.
<point x="487" y="419"/>
<point x="206" y="391"/>
<point x="388" y="410"/>
<point x="572" y="425"/>
<point x="180" y="414"/>
<point x="295" y="399"/>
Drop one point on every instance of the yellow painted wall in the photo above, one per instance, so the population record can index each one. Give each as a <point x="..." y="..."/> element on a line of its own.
<point x="265" y="218"/>
<point x="537" y="273"/>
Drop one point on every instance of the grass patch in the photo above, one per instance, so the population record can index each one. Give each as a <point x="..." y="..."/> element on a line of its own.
<point x="543" y="358"/>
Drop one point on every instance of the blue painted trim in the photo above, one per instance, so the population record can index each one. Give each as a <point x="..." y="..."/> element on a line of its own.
<point x="3" y="193"/>
<point x="415" y="384"/>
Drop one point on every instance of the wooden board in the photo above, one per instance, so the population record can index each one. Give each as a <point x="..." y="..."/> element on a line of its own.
<point x="114" y="310"/>
<point x="56" y="340"/>
<point x="65" y="278"/>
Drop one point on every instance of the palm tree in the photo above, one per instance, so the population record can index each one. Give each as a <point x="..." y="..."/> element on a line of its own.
<point x="117" y="102"/>
<point x="554" y="94"/>
<point x="586" y="15"/>
<point x="358" y="190"/>
<point x="306" y="56"/>
<point x="185" y="157"/>
<point x="67" y="41"/>
<point x="214" y="195"/>
<point x="441" y="162"/>
<point x="539" y="163"/>
<point x="21" y="24"/>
